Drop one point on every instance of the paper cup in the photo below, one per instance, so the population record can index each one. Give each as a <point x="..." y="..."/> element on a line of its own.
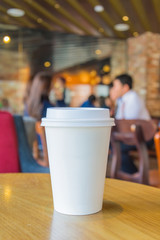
<point x="77" y="142"/>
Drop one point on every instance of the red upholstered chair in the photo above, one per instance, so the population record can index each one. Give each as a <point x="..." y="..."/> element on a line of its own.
<point x="9" y="159"/>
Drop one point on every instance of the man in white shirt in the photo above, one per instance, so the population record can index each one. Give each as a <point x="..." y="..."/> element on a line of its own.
<point x="129" y="103"/>
<point x="129" y="106"/>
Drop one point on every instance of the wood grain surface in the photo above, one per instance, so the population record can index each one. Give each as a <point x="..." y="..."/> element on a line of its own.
<point x="130" y="211"/>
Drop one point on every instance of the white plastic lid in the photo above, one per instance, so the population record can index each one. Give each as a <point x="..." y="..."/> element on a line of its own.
<point x="73" y="117"/>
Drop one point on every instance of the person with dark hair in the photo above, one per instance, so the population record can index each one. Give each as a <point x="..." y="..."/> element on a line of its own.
<point x="37" y="101"/>
<point x="60" y="91"/>
<point x="37" y="98"/>
<point x="102" y="102"/>
<point x="129" y="106"/>
<point x="129" y="103"/>
<point x="91" y="102"/>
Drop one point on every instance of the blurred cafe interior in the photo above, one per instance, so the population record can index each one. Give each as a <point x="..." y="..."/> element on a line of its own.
<point x="88" y="43"/>
<point x="89" y="46"/>
<point x="68" y="53"/>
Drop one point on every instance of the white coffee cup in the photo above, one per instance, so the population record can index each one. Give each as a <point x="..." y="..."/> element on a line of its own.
<point x="77" y="143"/>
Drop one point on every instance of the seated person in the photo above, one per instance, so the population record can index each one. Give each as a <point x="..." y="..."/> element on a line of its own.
<point x="60" y="91"/>
<point x="91" y="102"/>
<point x="37" y="100"/>
<point x="129" y="103"/>
<point x="129" y="106"/>
<point x="102" y="102"/>
<point x="110" y="104"/>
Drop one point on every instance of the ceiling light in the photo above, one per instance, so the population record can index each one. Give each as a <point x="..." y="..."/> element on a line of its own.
<point x="56" y="5"/>
<point x="101" y="30"/>
<point x="47" y="64"/>
<point x="39" y="20"/>
<point x="98" y="51"/>
<point x="6" y="39"/>
<point x="135" y="34"/>
<point x="121" y="27"/>
<point x="98" y="8"/>
<point x="125" y="18"/>
<point x="15" y="12"/>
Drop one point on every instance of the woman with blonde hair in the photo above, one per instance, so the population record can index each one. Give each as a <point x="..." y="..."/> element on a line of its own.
<point x="37" y="101"/>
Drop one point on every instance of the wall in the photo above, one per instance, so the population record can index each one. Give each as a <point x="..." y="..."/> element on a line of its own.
<point x="118" y="58"/>
<point x="14" y="92"/>
<point x="14" y="74"/>
<point x="144" y="66"/>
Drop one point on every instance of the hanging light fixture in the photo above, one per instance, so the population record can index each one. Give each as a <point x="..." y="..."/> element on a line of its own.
<point x="98" y="8"/>
<point x="15" y="12"/>
<point x="121" y="27"/>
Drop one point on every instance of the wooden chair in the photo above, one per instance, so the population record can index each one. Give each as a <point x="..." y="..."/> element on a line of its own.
<point x="157" y="147"/>
<point x="29" y="123"/>
<point x="132" y="132"/>
<point x="154" y="174"/>
<point x="28" y="163"/>
<point x="40" y="131"/>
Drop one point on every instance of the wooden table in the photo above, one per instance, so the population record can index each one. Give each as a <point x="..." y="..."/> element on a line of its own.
<point x="130" y="211"/>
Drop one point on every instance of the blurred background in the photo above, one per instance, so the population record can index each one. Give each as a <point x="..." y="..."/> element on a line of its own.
<point x="88" y="42"/>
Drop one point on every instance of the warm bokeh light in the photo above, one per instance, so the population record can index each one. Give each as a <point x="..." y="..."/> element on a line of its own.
<point x="6" y="39"/>
<point x="69" y="79"/>
<point x="93" y="81"/>
<point x="106" y="68"/>
<point x="84" y="77"/>
<point x="98" y="79"/>
<point x="98" y="52"/>
<point x="101" y="30"/>
<point x="135" y="34"/>
<point x="7" y="192"/>
<point x="39" y="20"/>
<point x="57" y="5"/>
<point x="125" y="18"/>
<point x="106" y="80"/>
<point x="47" y="64"/>
<point x="93" y="73"/>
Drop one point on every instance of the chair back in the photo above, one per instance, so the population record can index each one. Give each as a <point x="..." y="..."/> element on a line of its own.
<point x="137" y="133"/>
<point x="157" y="147"/>
<point x="148" y="127"/>
<point x="9" y="159"/>
<point x="41" y="132"/>
<point x="29" y="123"/>
<point x="27" y="162"/>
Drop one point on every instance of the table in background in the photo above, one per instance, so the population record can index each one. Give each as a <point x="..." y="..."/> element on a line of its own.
<point x="130" y="211"/>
